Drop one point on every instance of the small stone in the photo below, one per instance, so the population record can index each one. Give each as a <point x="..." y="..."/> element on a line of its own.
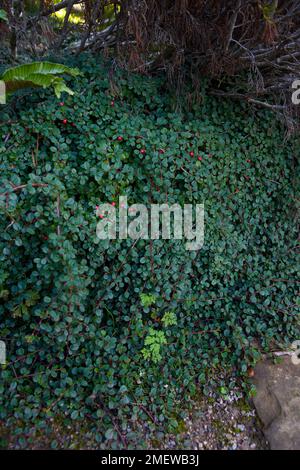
<point x="241" y="427"/>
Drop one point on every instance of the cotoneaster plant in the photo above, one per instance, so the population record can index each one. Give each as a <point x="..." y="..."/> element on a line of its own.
<point x="78" y="312"/>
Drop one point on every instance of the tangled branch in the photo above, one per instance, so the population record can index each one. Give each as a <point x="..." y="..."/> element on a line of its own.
<point x="257" y="41"/>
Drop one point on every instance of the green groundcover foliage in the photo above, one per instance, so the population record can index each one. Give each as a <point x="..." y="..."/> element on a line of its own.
<point x="120" y="332"/>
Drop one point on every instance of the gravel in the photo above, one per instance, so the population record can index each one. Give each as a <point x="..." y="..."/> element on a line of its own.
<point x="220" y="423"/>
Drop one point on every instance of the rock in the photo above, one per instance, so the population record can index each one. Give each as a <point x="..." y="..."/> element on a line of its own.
<point x="278" y="402"/>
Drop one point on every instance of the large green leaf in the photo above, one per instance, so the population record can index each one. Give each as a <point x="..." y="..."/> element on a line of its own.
<point x="3" y="16"/>
<point x="38" y="74"/>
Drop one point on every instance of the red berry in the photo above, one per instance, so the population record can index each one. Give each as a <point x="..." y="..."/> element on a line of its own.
<point x="65" y="121"/>
<point x="192" y="154"/>
<point x="113" y="203"/>
<point x="199" y="158"/>
<point x="120" y="138"/>
<point x="143" y="151"/>
<point x="161" y="151"/>
<point x="112" y="103"/>
<point x="61" y="103"/>
<point x="248" y="161"/>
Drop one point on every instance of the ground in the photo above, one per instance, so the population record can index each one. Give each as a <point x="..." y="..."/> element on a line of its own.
<point x="220" y="423"/>
<point x="215" y="421"/>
